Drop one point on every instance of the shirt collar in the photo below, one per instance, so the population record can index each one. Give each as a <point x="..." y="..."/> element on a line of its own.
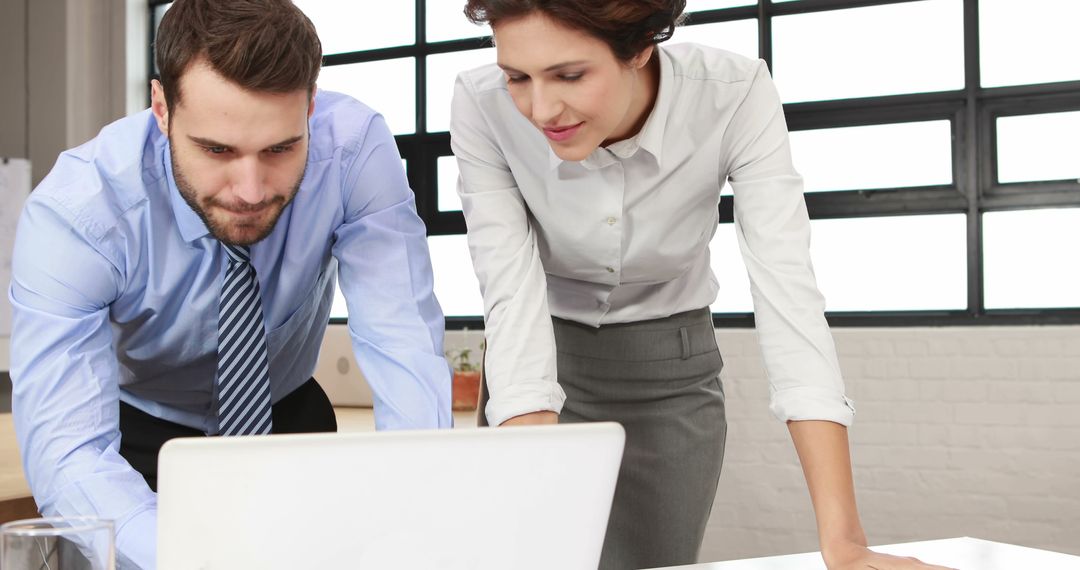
<point x="651" y="136"/>
<point x="190" y="224"/>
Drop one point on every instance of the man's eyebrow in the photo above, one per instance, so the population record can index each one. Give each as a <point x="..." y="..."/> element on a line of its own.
<point x="210" y="142"/>
<point x="557" y="66"/>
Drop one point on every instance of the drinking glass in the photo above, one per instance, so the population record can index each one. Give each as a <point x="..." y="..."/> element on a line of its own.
<point x="77" y="543"/>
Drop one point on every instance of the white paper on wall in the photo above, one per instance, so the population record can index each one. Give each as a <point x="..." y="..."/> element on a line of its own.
<point x="14" y="188"/>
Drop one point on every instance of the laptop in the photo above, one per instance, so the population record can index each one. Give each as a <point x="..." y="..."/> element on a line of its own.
<point x="495" y="498"/>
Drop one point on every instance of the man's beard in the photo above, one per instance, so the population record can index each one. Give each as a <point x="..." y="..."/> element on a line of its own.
<point x="217" y="228"/>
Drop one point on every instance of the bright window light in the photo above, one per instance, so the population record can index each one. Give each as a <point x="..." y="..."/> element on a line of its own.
<point x="356" y="26"/>
<point x="388" y="86"/>
<point x="1029" y="259"/>
<point x="876" y="156"/>
<point x="446" y="21"/>
<point x="442" y="72"/>
<point x="449" y="201"/>
<point x="739" y="36"/>
<point x="456" y="285"/>
<point x="1039" y="147"/>
<point x="1033" y="41"/>
<point x="909" y="47"/>
<point x="699" y="5"/>
<point x="898" y="263"/>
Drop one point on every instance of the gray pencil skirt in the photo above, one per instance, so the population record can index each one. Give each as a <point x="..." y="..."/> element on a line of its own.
<point x="661" y="380"/>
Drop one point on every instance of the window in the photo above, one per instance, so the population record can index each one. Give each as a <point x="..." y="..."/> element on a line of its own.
<point x="937" y="140"/>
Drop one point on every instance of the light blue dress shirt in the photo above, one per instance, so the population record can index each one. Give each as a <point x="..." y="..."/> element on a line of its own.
<point x="115" y="289"/>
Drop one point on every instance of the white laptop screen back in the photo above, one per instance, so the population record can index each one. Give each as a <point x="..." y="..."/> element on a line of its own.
<point x="506" y="498"/>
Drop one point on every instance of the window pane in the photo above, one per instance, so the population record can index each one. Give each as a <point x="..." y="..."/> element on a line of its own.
<point x="875" y="156"/>
<point x="449" y="201"/>
<point x="909" y="47"/>
<point x="159" y="12"/>
<point x="442" y="72"/>
<point x="699" y="5"/>
<point x="1039" y="147"/>
<point x="891" y="264"/>
<point x="1033" y="41"/>
<point x="355" y="26"/>
<point x="727" y="265"/>
<point x="1029" y="260"/>
<point x="371" y="83"/>
<point x="739" y="36"/>
<point x="456" y="286"/>
<point x="338" y="310"/>
<point x="446" y="21"/>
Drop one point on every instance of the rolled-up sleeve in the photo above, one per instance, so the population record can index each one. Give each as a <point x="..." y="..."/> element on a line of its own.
<point x="385" y="273"/>
<point x="773" y="231"/>
<point x="64" y="372"/>
<point x="519" y="363"/>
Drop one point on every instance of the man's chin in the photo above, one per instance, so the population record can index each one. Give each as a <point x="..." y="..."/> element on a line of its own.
<point x="246" y="234"/>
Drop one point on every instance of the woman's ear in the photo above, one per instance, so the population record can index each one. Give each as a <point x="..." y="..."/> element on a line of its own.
<point x="642" y="57"/>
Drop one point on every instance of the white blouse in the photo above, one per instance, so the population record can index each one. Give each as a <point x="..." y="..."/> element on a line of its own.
<point x="624" y="234"/>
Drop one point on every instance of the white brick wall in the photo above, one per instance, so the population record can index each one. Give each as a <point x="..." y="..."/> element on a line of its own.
<point x="959" y="432"/>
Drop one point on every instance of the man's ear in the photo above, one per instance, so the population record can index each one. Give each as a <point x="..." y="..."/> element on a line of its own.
<point x="311" y="104"/>
<point x="159" y="107"/>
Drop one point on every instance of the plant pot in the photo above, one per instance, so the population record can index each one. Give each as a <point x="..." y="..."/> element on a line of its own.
<point x="465" y="390"/>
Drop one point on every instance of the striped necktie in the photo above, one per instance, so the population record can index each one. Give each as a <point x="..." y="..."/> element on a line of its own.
<point x="243" y="375"/>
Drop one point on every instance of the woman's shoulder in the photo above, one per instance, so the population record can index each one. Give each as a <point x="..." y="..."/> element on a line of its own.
<point x="700" y="62"/>
<point x="482" y="79"/>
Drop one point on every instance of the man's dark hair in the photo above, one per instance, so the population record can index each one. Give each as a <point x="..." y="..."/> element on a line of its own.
<point x="261" y="45"/>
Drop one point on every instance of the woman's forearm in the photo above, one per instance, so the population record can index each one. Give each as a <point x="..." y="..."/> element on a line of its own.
<point x="823" y="451"/>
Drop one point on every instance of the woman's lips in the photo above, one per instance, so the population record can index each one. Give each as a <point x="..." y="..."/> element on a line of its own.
<point x="559" y="134"/>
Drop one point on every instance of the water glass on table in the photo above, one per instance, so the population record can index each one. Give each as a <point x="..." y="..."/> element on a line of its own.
<point x="77" y="543"/>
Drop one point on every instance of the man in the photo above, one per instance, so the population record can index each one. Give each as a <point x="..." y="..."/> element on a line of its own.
<point x="173" y="276"/>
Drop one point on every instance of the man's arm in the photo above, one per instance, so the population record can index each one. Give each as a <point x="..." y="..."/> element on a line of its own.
<point x="65" y="383"/>
<point x="384" y="269"/>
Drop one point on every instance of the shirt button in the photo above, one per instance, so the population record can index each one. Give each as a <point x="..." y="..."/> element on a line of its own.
<point x="611" y="221"/>
<point x="610" y="269"/>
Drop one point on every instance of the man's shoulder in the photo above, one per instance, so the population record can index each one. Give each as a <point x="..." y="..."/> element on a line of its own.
<point x="94" y="184"/>
<point x="339" y="121"/>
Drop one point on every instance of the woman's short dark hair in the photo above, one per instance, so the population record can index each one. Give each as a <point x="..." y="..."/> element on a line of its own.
<point x="261" y="45"/>
<point x="626" y="26"/>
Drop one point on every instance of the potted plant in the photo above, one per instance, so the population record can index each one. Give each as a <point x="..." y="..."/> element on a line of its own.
<point x="466" y="380"/>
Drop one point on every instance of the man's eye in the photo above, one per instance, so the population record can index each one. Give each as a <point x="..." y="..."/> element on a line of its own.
<point x="280" y="149"/>
<point x="216" y="149"/>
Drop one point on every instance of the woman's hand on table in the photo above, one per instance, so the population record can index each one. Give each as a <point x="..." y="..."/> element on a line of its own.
<point x="854" y="556"/>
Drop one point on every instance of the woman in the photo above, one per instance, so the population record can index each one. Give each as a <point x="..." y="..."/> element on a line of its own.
<point x="591" y="165"/>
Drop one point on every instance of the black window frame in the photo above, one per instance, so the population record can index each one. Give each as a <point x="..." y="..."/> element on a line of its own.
<point x="972" y="112"/>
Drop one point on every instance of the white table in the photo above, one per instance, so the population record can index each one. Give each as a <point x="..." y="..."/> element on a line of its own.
<point x="964" y="553"/>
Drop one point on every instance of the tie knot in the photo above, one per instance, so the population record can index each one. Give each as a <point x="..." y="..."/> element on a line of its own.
<point x="237" y="253"/>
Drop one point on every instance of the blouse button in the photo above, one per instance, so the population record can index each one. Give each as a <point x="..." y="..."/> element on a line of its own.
<point x="610" y="269"/>
<point x="611" y="221"/>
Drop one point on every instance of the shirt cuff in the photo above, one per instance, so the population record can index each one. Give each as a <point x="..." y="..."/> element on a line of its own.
<point x="136" y="542"/>
<point x="522" y="398"/>
<point x="811" y="403"/>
